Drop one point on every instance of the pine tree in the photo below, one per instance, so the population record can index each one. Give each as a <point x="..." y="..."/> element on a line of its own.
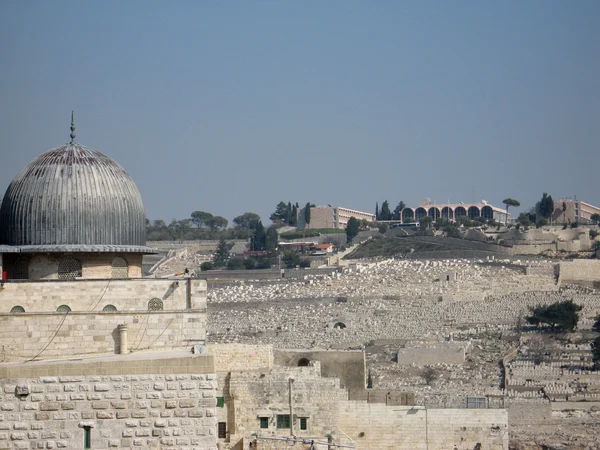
<point x="222" y="254"/>
<point x="307" y="215"/>
<point x="377" y="211"/>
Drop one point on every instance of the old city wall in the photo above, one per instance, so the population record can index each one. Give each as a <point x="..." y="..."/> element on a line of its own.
<point x="94" y="295"/>
<point x="61" y="335"/>
<point x="376" y="425"/>
<point x="579" y="270"/>
<point x="349" y="366"/>
<point x="163" y="403"/>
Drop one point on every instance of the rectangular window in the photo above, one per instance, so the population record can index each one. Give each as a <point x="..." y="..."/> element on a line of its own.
<point x="283" y="420"/>
<point x="87" y="438"/>
<point x="264" y="422"/>
<point x="222" y="430"/>
<point x="303" y="423"/>
<point x="220" y="402"/>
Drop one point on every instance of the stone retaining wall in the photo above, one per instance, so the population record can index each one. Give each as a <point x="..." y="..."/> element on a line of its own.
<point x="64" y="335"/>
<point x="121" y="411"/>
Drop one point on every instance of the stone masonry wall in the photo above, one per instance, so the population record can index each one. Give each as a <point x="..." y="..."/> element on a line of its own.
<point x="267" y="394"/>
<point x="94" y="295"/>
<point x="122" y="411"/>
<point x="413" y="428"/>
<point x="56" y="335"/>
<point x="580" y="270"/>
<point x="241" y="357"/>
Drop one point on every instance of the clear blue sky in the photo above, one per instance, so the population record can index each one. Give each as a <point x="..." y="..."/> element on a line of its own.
<point x="230" y="107"/>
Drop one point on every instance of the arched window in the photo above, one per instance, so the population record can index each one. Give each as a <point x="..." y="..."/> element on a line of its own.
<point x="156" y="304"/>
<point x="110" y="308"/>
<point x="119" y="268"/>
<point x="17" y="309"/>
<point x="20" y="269"/>
<point x="69" y="269"/>
<point x="63" y="309"/>
<point x="304" y="362"/>
<point x="340" y="325"/>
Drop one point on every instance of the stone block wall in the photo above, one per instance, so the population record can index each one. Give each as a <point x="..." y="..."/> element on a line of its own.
<point x="376" y="425"/>
<point x="94" y="295"/>
<point x="55" y="335"/>
<point x="347" y="365"/>
<point x="121" y="410"/>
<point x="423" y="356"/>
<point x="267" y="394"/>
<point x="579" y="270"/>
<point x="241" y="357"/>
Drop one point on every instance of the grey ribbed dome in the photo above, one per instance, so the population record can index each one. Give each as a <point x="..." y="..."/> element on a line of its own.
<point x="74" y="196"/>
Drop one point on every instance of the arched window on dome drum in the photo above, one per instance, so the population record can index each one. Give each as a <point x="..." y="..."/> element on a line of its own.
<point x="156" y="304"/>
<point x="63" y="309"/>
<point x="17" y="309"/>
<point x="119" y="268"/>
<point x="20" y="270"/>
<point x="69" y="269"/>
<point x="110" y="308"/>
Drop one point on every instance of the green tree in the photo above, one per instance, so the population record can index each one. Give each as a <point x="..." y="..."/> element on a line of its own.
<point x="510" y="202"/>
<point x="281" y="214"/>
<point x="425" y="221"/>
<point x="541" y="222"/>
<point x="307" y="215"/>
<point x="595" y="218"/>
<point x="523" y="220"/>
<point x="352" y="228"/>
<point x="216" y="222"/>
<point x="386" y="213"/>
<point x="201" y="218"/>
<point x="545" y="206"/>
<point x="290" y="258"/>
<point x="222" y="254"/>
<point x="259" y="237"/>
<point x="271" y="239"/>
<point x="564" y="315"/>
<point x="398" y="210"/>
<point x="377" y="216"/>
<point x="247" y="220"/>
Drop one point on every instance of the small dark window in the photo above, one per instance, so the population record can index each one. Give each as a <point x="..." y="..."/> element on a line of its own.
<point x="87" y="438"/>
<point x="220" y="402"/>
<point x="63" y="309"/>
<point x="17" y="309"/>
<point x="303" y="423"/>
<point x="155" y="304"/>
<point x="303" y="362"/>
<point x="264" y="422"/>
<point x="283" y="420"/>
<point x="222" y="429"/>
<point x="109" y="308"/>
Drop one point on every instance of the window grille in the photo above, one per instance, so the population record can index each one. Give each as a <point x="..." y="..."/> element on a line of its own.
<point x="63" y="309"/>
<point x="283" y="420"/>
<point x="264" y="422"/>
<point x="21" y="269"/>
<point x="222" y="429"/>
<point x="69" y="269"/>
<point x="17" y="309"/>
<point x="303" y="423"/>
<point x="155" y="304"/>
<point x="119" y="268"/>
<point x="109" y="308"/>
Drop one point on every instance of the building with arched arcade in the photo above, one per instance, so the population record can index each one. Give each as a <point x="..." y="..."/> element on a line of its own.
<point x="453" y="212"/>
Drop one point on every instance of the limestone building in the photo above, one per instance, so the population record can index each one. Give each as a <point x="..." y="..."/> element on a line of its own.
<point x="331" y="217"/>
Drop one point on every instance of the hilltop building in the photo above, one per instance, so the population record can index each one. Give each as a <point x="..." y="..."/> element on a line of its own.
<point x="454" y="211"/>
<point x="574" y="211"/>
<point x="322" y="216"/>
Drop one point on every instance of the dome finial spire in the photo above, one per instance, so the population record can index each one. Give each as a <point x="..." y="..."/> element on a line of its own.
<point x="72" y="126"/>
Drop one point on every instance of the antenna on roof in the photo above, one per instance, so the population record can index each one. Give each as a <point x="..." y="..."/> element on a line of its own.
<point x="72" y="126"/>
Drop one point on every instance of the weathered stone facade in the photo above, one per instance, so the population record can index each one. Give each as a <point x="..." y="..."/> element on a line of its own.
<point x="166" y="403"/>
